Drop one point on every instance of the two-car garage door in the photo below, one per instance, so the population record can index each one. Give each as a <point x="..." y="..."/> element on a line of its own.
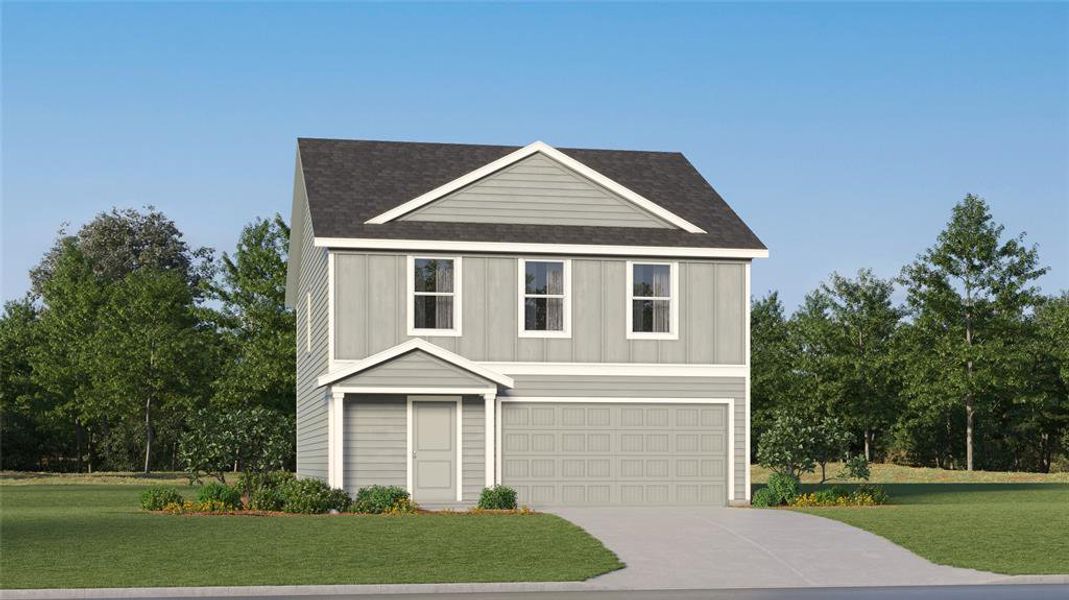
<point x="568" y="453"/>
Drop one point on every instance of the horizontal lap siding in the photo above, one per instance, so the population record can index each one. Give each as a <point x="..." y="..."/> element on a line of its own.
<point x="590" y="386"/>
<point x="418" y="369"/>
<point x="537" y="191"/>
<point x="376" y="444"/>
<point x="474" y="448"/>
<point x="312" y="401"/>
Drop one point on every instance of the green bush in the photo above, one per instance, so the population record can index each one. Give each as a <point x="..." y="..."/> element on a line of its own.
<point x="783" y="488"/>
<point x="839" y="491"/>
<point x="213" y="491"/>
<point x="498" y="497"/>
<point x="855" y="467"/>
<point x="869" y="495"/>
<point x="825" y="496"/>
<point x="251" y="482"/>
<point x="762" y="498"/>
<point x="155" y="498"/>
<point x="378" y="499"/>
<point x="267" y="498"/>
<point x="312" y="496"/>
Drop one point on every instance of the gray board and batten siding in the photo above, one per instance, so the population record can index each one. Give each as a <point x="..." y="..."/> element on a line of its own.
<point x="370" y="312"/>
<point x="537" y="191"/>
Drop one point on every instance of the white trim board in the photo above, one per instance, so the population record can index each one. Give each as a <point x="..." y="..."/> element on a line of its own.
<point x="388" y="390"/>
<point x="457" y="295"/>
<point x="458" y="415"/>
<point x="410" y="245"/>
<point x="518" y="155"/>
<point x="673" y="303"/>
<point x="521" y="297"/>
<point x="618" y="369"/>
<point x="728" y="402"/>
<point x="749" y="433"/>
<point x="410" y="345"/>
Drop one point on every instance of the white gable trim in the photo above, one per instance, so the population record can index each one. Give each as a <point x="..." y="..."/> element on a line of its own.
<point x="518" y="155"/>
<point x="535" y="248"/>
<point x="410" y="345"/>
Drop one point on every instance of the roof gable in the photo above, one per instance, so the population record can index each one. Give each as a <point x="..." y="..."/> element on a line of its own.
<point x="350" y="182"/>
<point x="536" y="190"/>
<point x="415" y="360"/>
<point x="554" y="156"/>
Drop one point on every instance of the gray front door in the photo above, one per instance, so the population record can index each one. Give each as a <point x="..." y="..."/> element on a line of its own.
<point x="434" y="451"/>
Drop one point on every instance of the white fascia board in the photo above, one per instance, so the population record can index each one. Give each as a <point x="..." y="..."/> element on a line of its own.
<point x="410" y="345"/>
<point x="536" y="248"/>
<point x="418" y="391"/>
<point x="518" y="155"/>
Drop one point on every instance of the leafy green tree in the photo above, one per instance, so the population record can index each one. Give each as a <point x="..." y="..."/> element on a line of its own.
<point x="259" y="330"/>
<point x="965" y="295"/>
<point x="82" y="285"/>
<point x="220" y="438"/>
<point x="27" y="435"/>
<point x="864" y="322"/>
<point x="149" y="352"/>
<point x="787" y="446"/>
<point x="1040" y="413"/>
<point x="831" y="441"/>
<point x="772" y="359"/>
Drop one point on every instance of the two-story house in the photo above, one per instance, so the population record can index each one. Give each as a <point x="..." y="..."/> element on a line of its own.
<point x="572" y="323"/>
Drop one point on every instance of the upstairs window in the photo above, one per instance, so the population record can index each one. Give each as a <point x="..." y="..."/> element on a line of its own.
<point x="652" y="300"/>
<point x="545" y="309"/>
<point x="434" y="296"/>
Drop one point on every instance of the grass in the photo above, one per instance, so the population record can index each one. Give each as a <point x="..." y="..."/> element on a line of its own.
<point x="980" y="520"/>
<point x="888" y="473"/>
<point x="92" y="535"/>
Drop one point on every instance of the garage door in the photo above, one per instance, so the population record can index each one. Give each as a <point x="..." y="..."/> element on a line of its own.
<point x="615" y="454"/>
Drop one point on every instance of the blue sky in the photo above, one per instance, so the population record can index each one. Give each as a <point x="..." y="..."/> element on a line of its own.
<point x="842" y="133"/>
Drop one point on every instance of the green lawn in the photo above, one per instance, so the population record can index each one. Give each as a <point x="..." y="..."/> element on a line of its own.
<point x="1012" y="528"/>
<point x="86" y="535"/>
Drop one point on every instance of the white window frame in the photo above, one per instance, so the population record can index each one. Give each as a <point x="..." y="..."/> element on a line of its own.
<point x="457" y="294"/>
<point x="673" y="303"/>
<point x="308" y="323"/>
<point x="522" y="294"/>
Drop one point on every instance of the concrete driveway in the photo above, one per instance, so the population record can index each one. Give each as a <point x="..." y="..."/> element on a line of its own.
<point x="709" y="548"/>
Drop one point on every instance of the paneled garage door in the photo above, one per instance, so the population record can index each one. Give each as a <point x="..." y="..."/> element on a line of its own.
<point x="615" y="454"/>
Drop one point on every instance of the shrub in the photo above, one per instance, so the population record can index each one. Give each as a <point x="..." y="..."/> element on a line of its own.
<point x="225" y="495"/>
<point x="855" y="467"/>
<point x="378" y="499"/>
<point x="869" y="495"/>
<point x="209" y="506"/>
<point x="312" y="496"/>
<point x="762" y="498"/>
<point x="267" y="498"/>
<point x="156" y="498"/>
<point x="498" y="497"/>
<point x="252" y="482"/>
<point x="783" y="488"/>
<point x="823" y="497"/>
<point x="839" y="491"/>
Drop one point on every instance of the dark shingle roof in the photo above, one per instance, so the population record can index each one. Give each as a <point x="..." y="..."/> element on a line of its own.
<point x="351" y="181"/>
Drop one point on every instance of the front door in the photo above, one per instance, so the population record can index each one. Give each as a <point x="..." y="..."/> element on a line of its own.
<point x="434" y="451"/>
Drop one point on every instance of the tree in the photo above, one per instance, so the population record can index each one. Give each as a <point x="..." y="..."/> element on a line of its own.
<point x="1041" y="410"/>
<point x="26" y="433"/>
<point x="82" y="284"/>
<point x="122" y="241"/>
<point x="772" y="359"/>
<point x="148" y="348"/>
<point x="864" y="323"/>
<point x="256" y="440"/>
<point x="787" y="446"/>
<point x="965" y="295"/>
<point x="259" y="330"/>
<point x="831" y="441"/>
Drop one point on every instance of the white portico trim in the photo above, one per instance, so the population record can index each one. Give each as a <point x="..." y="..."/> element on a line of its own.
<point x="348" y="380"/>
